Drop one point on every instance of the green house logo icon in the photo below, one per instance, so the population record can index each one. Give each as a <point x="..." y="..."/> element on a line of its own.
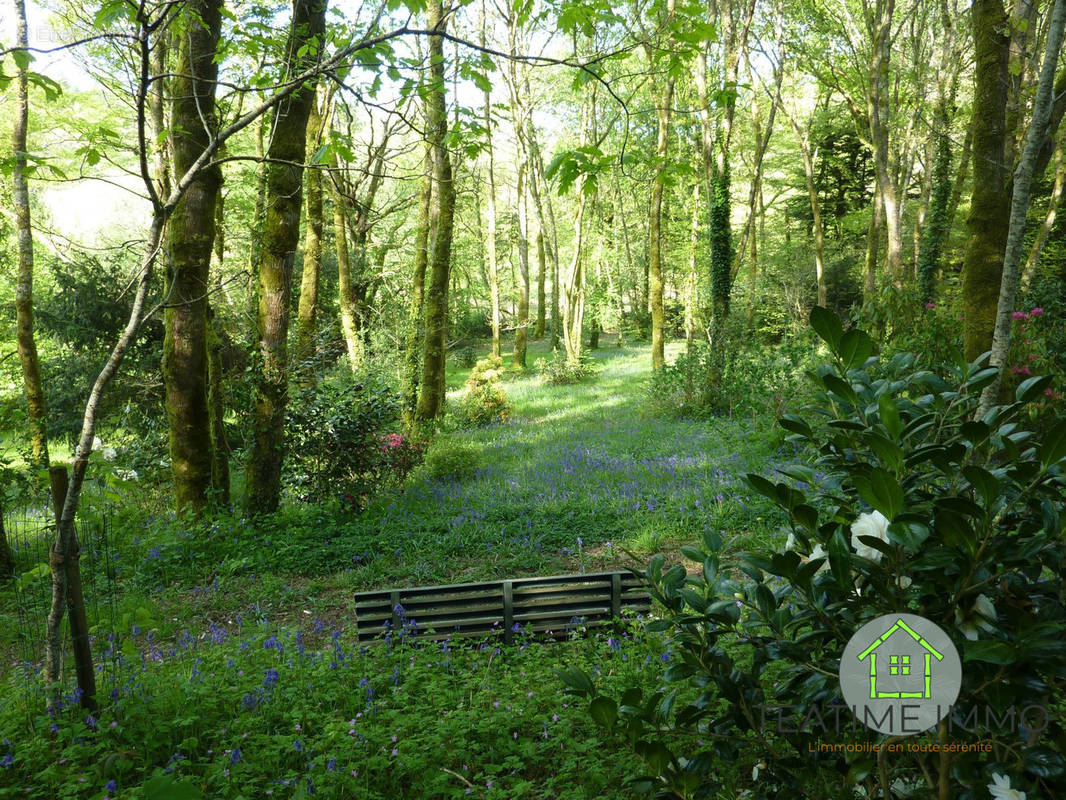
<point x="900" y="674"/>
<point x="896" y="663"/>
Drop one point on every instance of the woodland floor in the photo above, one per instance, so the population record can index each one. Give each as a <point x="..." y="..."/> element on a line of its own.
<point x="581" y="478"/>
<point x="226" y="656"/>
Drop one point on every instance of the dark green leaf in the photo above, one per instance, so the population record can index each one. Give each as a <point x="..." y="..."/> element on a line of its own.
<point x="882" y="491"/>
<point x="604" y="711"/>
<point x="1053" y="449"/>
<point x="984" y="482"/>
<point x="889" y="413"/>
<point x="991" y="651"/>
<point x="1043" y="762"/>
<point x="827" y="325"/>
<point x="841" y="388"/>
<point x="855" y="347"/>
<point x="1032" y="388"/>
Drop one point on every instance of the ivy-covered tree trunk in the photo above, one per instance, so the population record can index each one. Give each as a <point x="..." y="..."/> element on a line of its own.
<point x="24" y="333"/>
<point x="935" y="230"/>
<point x="190" y="241"/>
<point x="281" y="232"/>
<point x="307" y="312"/>
<point x="442" y="211"/>
<point x="989" y="218"/>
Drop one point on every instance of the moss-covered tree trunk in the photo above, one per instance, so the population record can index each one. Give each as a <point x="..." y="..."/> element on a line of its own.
<point x="26" y="342"/>
<point x="416" y="311"/>
<point x="935" y="230"/>
<point x="990" y="204"/>
<point x="216" y="403"/>
<point x="442" y="211"/>
<point x="307" y="311"/>
<point x="664" y="98"/>
<point x="345" y="294"/>
<point x="190" y="241"/>
<point x="281" y="233"/>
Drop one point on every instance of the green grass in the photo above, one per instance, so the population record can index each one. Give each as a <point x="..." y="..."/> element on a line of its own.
<point x="578" y="477"/>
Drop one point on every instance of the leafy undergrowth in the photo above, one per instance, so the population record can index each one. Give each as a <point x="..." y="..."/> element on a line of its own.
<point x="250" y="710"/>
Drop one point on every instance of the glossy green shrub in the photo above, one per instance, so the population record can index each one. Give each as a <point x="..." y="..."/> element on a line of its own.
<point x="908" y="504"/>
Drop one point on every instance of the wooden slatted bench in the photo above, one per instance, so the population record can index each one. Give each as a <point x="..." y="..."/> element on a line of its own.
<point x="538" y="605"/>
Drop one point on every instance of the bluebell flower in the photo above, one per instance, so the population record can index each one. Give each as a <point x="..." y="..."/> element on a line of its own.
<point x="235" y="756"/>
<point x="111" y="786"/>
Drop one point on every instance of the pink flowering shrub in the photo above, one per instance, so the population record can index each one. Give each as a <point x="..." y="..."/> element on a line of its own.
<point x="1031" y="353"/>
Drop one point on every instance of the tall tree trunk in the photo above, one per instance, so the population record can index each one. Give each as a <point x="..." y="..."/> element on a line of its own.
<point x="216" y="389"/>
<point x="431" y="397"/>
<point x="962" y="175"/>
<point x="416" y="311"/>
<point x="935" y="230"/>
<point x="26" y="342"/>
<point x="190" y="241"/>
<point x="873" y="247"/>
<point x="307" y="312"/>
<point x="663" y="102"/>
<point x="879" y="114"/>
<point x="280" y="237"/>
<point x="216" y="402"/>
<point x="1023" y="178"/>
<point x="989" y="220"/>
<point x="690" y="281"/>
<point x="804" y="137"/>
<point x="490" y="232"/>
<point x="522" y="323"/>
<point x="346" y="300"/>
<point x="573" y="293"/>
<point x="255" y="259"/>
<point x="1037" y="249"/>
<point x="538" y="331"/>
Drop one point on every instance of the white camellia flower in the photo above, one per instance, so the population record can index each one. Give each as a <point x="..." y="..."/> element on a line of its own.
<point x="109" y="453"/>
<point x="979" y="618"/>
<point x="819" y="552"/>
<point x="1000" y="788"/>
<point x="873" y="524"/>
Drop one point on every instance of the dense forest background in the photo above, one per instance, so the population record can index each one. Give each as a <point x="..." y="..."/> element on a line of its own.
<point x="533" y="172"/>
<point x="298" y="294"/>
